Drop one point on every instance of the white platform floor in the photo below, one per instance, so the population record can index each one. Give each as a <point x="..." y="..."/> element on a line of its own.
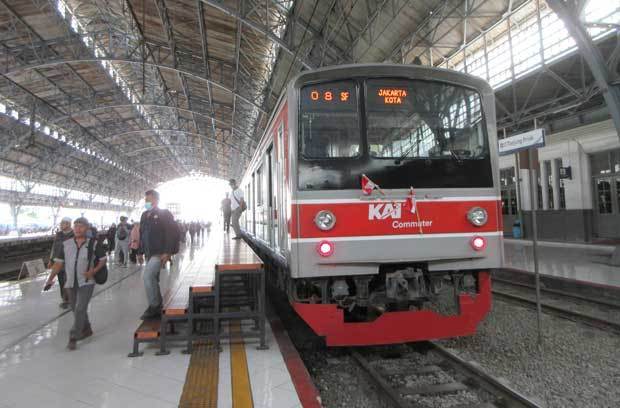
<point x="36" y="369"/>
<point x="580" y="262"/>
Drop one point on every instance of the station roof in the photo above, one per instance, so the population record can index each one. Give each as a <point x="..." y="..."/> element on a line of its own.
<point x="113" y="97"/>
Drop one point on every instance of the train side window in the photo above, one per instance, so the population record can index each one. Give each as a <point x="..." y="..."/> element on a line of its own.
<point x="270" y="188"/>
<point x="259" y="186"/>
<point x="329" y="121"/>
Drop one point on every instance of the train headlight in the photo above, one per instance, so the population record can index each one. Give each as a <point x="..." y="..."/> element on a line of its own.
<point x="325" y="220"/>
<point x="477" y="216"/>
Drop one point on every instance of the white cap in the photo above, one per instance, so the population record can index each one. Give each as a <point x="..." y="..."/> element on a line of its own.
<point x="66" y="219"/>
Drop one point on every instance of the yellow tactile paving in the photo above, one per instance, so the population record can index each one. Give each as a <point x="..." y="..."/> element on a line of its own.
<point x="200" y="389"/>
<point x="240" y="376"/>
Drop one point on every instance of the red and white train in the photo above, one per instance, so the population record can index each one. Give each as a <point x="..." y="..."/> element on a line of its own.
<point x="373" y="196"/>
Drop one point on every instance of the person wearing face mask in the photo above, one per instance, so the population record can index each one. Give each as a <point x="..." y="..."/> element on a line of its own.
<point x="158" y="241"/>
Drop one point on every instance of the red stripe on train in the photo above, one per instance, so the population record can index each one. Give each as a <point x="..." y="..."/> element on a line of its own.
<point x="393" y="218"/>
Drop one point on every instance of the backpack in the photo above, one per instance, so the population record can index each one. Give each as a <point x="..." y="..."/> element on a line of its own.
<point x="101" y="276"/>
<point x="122" y="232"/>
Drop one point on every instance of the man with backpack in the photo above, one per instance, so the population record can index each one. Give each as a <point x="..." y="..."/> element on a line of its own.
<point x="82" y="258"/>
<point x="122" y="242"/>
<point x="237" y="205"/>
<point x="159" y="240"/>
<point x="62" y="235"/>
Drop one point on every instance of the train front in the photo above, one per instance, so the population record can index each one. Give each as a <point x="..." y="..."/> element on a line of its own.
<point x="395" y="218"/>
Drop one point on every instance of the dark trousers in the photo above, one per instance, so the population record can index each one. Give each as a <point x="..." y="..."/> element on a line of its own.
<point x="80" y="298"/>
<point x="111" y="246"/>
<point x="133" y="255"/>
<point x="62" y="280"/>
<point x="226" y="222"/>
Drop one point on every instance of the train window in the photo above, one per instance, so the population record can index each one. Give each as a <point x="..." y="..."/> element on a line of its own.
<point x="259" y="186"/>
<point x="329" y="121"/>
<point x="422" y="119"/>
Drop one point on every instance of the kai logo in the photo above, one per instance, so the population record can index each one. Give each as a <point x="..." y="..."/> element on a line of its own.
<point x="384" y="211"/>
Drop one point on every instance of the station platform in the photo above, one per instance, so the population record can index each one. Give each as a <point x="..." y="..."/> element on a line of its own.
<point x="582" y="263"/>
<point x="36" y="369"/>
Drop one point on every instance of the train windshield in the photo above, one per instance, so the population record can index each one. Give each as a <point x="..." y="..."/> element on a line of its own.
<point x="408" y="119"/>
<point x="422" y="134"/>
<point x="330" y="124"/>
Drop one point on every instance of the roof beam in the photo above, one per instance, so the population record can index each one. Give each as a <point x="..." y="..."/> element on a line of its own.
<point x="186" y="132"/>
<point x="205" y="58"/>
<point x="236" y="74"/>
<point x="567" y="11"/>
<point x="33" y="199"/>
<point x="258" y="28"/>
<point x="197" y="76"/>
<point x="155" y="106"/>
<point x="44" y="112"/>
<point x="135" y="23"/>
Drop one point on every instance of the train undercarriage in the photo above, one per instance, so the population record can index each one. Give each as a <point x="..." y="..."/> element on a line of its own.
<point x="396" y="288"/>
<point x="402" y="303"/>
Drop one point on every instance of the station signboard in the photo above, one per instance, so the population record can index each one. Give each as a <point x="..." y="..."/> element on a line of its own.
<point x="523" y="141"/>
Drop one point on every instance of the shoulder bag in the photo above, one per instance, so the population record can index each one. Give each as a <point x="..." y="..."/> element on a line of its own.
<point x="241" y="204"/>
<point x="101" y="276"/>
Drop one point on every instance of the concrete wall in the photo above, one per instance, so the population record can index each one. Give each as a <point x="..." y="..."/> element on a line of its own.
<point x="570" y="148"/>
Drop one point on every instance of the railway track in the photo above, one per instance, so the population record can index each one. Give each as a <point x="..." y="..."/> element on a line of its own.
<point x="571" y="295"/>
<point x="562" y="312"/>
<point x="445" y="380"/>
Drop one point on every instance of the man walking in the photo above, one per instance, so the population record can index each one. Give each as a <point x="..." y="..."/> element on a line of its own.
<point x="122" y="242"/>
<point x="80" y="267"/>
<point x="226" y="211"/>
<point x="192" y="231"/>
<point x="111" y="236"/>
<point x="64" y="234"/>
<point x="237" y="205"/>
<point x="157" y="243"/>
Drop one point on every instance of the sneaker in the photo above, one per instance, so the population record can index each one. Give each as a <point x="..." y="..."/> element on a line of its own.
<point x="87" y="333"/>
<point x="72" y="345"/>
<point x="151" y="313"/>
<point x="64" y="305"/>
<point x="236" y="237"/>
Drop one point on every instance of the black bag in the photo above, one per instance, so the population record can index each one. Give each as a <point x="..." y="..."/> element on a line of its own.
<point x="101" y="276"/>
<point x="176" y="238"/>
<point x="122" y="233"/>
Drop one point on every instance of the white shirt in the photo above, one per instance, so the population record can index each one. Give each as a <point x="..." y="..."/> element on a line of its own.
<point x="235" y="200"/>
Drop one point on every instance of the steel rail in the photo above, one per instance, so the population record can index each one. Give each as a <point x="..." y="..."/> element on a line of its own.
<point x="559" y="293"/>
<point x="502" y="392"/>
<point x="572" y="315"/>
<point x="386" y="389"/>
<point x="488" y="382"/>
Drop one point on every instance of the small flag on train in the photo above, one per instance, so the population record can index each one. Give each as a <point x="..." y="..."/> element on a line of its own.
<point x="368" y="185"/>
<point x="410" y="203"/>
